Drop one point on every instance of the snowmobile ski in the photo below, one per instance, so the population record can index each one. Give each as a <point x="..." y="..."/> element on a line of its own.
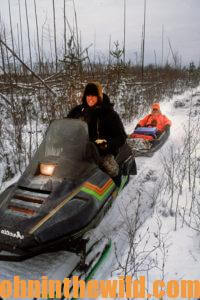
<point x="92" y="266"/>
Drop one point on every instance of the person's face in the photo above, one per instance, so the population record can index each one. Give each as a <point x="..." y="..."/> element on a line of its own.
<point x="91" y="100"/>
<point x="155" y="111"/>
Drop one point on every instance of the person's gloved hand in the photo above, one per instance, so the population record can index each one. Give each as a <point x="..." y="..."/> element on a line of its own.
<point x="101" y="144"/>
<point x="158" y="133"/>
<point x="167" y="127"/>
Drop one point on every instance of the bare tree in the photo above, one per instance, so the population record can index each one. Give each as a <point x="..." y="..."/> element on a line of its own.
<point x="21" y="31"/>
<point x="65" y="27"/>
<point x="37" y="31"/>
<point x="28" y="31"/>
<point x="55" y="40"/>
<point x="12" y="39"/>
<point x="143" y="38"/>
<point x="124" y="50"/>
<point x="76" y="26"/>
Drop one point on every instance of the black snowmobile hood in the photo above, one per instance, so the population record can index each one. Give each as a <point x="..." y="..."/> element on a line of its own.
<point x="41" y="211"/>
<point x="36" y="195"/>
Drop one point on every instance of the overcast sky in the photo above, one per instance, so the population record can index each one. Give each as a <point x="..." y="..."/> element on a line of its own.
<point x="100" y="20"/>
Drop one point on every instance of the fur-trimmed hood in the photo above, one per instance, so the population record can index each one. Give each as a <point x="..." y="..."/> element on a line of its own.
<point x="93" y="89"/>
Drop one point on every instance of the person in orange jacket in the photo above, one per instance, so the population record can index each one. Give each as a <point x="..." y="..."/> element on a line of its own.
<point x="155" y="119"/>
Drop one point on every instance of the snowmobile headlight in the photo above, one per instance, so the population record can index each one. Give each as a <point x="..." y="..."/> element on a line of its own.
<point x="47" y="168"/>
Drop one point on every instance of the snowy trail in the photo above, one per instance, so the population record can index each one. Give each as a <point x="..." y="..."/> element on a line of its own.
<point x="145" y="185"/>
<point x="182" y="257"/>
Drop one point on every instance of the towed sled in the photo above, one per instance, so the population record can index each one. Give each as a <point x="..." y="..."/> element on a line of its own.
<point x="144" y="141"/>
<point x="61" y="195"/>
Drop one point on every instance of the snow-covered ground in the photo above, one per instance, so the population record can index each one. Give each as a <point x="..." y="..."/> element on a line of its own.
<point x="167" y="243"/>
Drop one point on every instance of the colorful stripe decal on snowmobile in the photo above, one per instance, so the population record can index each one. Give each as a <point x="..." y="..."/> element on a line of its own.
<point x="99" y="193"/>
<point x="96" y="188"/>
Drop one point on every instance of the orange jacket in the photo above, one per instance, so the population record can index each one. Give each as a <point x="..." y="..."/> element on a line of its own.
<point x="158" y="121"/>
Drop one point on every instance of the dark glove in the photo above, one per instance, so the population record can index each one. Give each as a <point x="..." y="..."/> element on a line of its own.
<point x="158" y="133"/>
<point x="137" y="126"/>
<point x="167" y="127"/>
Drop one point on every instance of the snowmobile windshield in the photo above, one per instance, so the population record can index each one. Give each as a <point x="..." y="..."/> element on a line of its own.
<point x="63" y="152"/>
<point x="65" y="146"/>
<point x="66" y="139"/>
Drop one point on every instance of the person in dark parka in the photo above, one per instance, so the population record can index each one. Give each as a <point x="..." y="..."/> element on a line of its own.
<point x="104" y="125"/>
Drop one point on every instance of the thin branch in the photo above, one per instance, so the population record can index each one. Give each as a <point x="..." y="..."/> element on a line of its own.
<point x="33" y="73"/>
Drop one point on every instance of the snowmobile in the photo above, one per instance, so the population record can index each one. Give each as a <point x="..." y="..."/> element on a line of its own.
<point x="145" y="141"/>
<point x="61" y="195"/>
